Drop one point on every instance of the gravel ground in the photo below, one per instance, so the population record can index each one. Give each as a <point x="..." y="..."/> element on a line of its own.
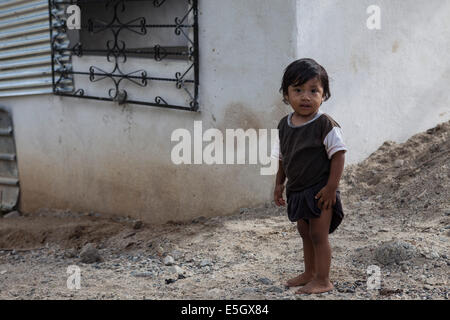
<point x="397" y="217"/>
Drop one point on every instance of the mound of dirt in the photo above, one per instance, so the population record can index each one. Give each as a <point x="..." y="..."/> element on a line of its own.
<point x="57" y="227"/>
<point x="414" y="174"/>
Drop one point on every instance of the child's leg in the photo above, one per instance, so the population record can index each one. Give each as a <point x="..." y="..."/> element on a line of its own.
<point x="319" y="229"/>
<point x="308" y="255"/>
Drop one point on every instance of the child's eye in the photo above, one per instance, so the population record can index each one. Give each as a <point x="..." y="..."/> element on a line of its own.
<point x="314" y="90"/>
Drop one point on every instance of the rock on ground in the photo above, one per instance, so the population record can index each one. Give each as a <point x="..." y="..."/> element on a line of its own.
<point x="395" y="252"/>
<point x="168" y="261"/>
<point x="90" y="254"/>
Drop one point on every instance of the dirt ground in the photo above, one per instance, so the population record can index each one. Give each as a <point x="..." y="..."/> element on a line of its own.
<point x="400" y="193"/>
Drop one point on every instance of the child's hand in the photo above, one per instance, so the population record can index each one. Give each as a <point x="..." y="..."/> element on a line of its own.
<point x="278" y="195"/>
<point x="327" y="197"/>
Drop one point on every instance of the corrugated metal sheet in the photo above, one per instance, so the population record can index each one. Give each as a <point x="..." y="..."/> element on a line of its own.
<point x="9" y="177"/>
<point x="25" y="47"/>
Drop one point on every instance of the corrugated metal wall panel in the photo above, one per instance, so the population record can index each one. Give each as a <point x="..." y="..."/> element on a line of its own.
<point x="24" y="41"/>
<point x="30" y="72"/>
<point x="23" y="63"/>
<point x="24" y="92"/>
<point x="25" y="47"/>
<point x="22" y="52"/>
<point x="16" y="8"/>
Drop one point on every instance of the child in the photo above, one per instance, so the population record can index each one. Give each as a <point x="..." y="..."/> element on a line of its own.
<point x="311" y="156"/>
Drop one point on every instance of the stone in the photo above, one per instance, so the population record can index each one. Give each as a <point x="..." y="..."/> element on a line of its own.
<point x="205" y="262"/>
<point x="142" y="274"/>
<point x="395" y="251"/>
<point x="243" y="210"/>
<point x="12" y="214"/>
<point x="90" y="254"/>
<point x="275" y="289"/>
<point x="176" y="269"/>
<point x="159" y="250"/>
<point x="215" y="292"/>
<point x="137" y="224"/>
<point x="265" y="281"/>
<point x="398" y="163"/>
<point x="168" y="261"/>
<point x="200" y="219"/>
<point x="169" y="281"/>
<point x="249" y="290"/>
<point x="176" y="254"/>
<point x="433" y="255"/>
<point x="70" y="253"/>
<point x="387" y="291"/>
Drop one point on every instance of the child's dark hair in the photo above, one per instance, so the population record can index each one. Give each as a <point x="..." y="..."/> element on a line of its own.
<point x="301" y="71"/>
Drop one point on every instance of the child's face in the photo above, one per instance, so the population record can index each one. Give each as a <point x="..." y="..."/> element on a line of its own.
<point x="306" y="98"/>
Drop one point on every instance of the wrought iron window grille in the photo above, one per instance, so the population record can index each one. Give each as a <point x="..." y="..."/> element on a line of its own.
<point x="117" y="53"/>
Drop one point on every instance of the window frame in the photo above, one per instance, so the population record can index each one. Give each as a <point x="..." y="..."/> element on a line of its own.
<point x="62" y="71"/>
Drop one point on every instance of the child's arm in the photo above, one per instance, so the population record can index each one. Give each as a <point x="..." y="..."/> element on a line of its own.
<point x="279" y="185"/>
<point x="327" y="195"/>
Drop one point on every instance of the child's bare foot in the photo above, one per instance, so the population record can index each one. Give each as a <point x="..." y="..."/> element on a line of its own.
<point x="299" y="280"/>
<point x="316" y="286"/>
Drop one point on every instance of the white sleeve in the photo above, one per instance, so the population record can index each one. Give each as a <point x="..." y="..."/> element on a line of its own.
<point x="334" y="142"/>
<point x="276" y="153"/>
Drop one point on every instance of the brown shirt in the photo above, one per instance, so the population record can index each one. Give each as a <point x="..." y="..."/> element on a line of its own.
<point x="306" y="150"/>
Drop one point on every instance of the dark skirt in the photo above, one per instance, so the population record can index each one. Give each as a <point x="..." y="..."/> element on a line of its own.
<point x="303" y="205"/>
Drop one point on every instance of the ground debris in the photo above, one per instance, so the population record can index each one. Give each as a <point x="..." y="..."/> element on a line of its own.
<point x="397" y="215"/>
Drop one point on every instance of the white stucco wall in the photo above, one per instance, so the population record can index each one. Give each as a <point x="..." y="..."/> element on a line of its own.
<point x="88" y="155"/>
<point x="387" y="84"/>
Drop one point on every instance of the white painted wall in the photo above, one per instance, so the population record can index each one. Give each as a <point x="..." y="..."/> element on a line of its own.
<point x="386" y="84"/>
<point x="88" y="155"/>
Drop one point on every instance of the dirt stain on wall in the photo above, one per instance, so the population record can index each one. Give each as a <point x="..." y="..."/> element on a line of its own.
<point x="359" y="62"/>
<point x="238" y="116"/>
<point x="395" y="46"/>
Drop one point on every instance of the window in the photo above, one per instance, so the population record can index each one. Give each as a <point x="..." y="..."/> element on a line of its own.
<point x="136" y="51"/>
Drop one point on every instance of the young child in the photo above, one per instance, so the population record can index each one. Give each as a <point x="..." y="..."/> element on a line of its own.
<point x="311" y="156"/>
